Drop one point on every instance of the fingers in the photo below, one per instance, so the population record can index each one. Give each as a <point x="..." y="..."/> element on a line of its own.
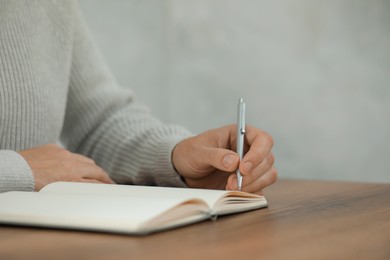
<point x="91" y="181"/>
<point x="210" y="157"/>
<point x="257" y="165"/>
<point x="264" y="175"/>
<point x="82" y="158"/>
<point x="255" y="186"/>
<point x="97" y="174"/>
<point x="77" y="167"/>
<point x="50" y="163"/>
<point x="260" y="170"/>
<point x="259" y="178"/>
<point x="91" y="170"/>
<point x="265" y="180"/>
<point x="219" y="158"/>
<point x="260" y="144"/>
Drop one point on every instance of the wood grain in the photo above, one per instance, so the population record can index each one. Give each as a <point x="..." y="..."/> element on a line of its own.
<point x="305" y="220"/>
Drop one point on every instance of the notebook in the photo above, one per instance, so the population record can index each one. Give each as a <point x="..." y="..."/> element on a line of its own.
<point x="128" y="209"/>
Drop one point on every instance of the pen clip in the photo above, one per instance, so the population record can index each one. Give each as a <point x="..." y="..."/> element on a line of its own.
<point x="241" y="116"/>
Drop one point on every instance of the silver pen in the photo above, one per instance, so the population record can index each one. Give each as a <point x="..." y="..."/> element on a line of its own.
<point x="240" y="137"/>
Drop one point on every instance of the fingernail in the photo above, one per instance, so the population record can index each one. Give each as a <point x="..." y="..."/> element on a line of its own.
<point x="229" y="160"/>
<point x="248" y="167"/>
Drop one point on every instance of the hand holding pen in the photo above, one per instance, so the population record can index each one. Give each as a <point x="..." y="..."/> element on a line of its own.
<point x="210" y="159"/>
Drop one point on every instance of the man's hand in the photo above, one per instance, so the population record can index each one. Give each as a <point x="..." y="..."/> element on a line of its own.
<point x="51" y="163"/>
<point x="209" y="160"/>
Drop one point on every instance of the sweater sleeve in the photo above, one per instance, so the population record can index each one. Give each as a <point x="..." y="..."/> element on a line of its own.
<point x="104" y="122"/>
<point x="15" y="173"/>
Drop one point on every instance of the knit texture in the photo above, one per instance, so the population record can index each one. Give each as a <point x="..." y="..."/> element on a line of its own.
<point x="55" y="88"/>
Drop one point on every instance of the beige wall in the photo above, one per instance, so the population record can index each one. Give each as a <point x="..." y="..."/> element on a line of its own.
<point x="315" y="74"/>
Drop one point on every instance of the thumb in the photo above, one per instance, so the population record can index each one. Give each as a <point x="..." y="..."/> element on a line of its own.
<point x="222" y="159"/>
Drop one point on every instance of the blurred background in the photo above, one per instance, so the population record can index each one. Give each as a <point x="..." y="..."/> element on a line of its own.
<point x="314" y="74"/>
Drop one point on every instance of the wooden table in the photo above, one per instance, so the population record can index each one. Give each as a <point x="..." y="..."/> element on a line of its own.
<point x="305" y="220"/>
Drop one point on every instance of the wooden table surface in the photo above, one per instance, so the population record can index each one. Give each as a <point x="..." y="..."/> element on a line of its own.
<point x="305" y="220"/>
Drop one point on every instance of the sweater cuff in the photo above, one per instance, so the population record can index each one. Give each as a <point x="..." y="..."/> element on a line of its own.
<point x="165" y="173"/>
<point x="15" y="173"/>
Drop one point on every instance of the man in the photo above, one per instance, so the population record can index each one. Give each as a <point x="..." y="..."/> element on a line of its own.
<point x="55" y="88"/>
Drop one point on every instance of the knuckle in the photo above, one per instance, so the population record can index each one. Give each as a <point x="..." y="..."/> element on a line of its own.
<point x="274" y="175"/>
<point x="271" y="159"/>
<point x="269" y="138"/>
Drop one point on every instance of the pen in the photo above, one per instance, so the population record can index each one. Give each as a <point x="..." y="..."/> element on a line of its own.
<point x="240" y="137"/>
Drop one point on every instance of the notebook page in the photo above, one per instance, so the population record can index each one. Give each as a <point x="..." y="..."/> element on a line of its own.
<point x="91" y="212"/>
<point x="211" y="197"/>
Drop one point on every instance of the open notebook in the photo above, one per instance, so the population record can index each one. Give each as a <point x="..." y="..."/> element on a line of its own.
<point x="120" y="208"/>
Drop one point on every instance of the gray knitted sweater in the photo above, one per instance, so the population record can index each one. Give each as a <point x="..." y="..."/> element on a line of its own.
<point x="54" y="88"/>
